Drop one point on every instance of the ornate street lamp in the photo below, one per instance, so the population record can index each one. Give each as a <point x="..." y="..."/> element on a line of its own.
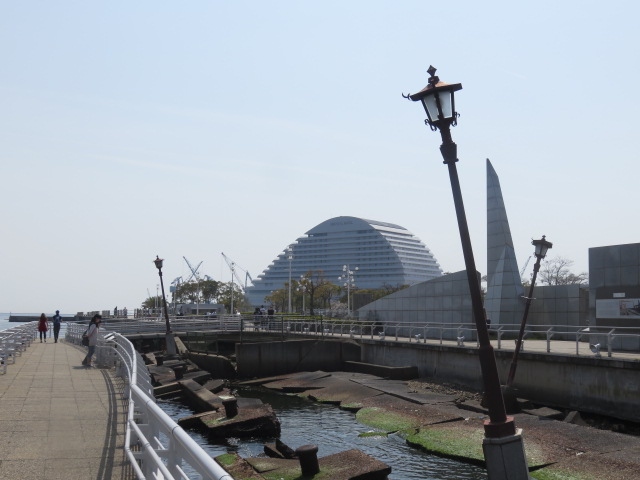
<point x="170" y="341"/>
<point x="290" y="257"/>
<point x="502" y="445"/>
<point x="540" y="252"/>
<point x="349" y="278"/>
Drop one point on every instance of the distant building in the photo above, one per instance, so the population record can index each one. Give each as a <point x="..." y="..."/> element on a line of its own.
<point x="385" y="254"/>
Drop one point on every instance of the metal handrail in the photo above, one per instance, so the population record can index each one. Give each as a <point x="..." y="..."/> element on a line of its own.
<point x="288" y="325"/>
<point x="155" y="445"/>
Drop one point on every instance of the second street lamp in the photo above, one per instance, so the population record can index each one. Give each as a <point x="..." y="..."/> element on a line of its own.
<point x="503" y="446"/>
<point x="542" y="246"/>
<point x="170" y="341"/>
<point x="290" y="258"/>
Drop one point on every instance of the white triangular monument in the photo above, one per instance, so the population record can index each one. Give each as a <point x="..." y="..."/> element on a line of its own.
<point x="503" y="302"/>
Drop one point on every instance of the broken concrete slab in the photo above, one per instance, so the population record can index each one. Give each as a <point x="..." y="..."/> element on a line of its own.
<point x="348" y="465"/>
<point x="218" y="365"/>
<point x="545" y="412"/>
<point x="298" y="382"/>
<point x="255" y="421"/>
<point x="199" y="398"/>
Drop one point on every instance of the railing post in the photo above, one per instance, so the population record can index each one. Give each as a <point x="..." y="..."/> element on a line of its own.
<point x="610" y="341"/>
<point x="578" y="335"/>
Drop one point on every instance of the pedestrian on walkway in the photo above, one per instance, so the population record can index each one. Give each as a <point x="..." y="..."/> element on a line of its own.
<point x="43" y="327"/>
<point x="92" y="333"/>
<point x="57" y="322"/>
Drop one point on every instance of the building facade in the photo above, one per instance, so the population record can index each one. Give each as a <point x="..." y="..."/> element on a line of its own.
<point x="378" y="254"/>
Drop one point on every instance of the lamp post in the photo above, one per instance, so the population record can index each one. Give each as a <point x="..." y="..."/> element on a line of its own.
<point x="290" y="257"/>
<point x="503" y="447"/>
<point x="540" y="252"/>
<point x="170" y="341"/>
<point x="302" y="288"/>
<point x="176" y="286"/>
<point x="349" y="278"/>
<point x="233" y="271"/>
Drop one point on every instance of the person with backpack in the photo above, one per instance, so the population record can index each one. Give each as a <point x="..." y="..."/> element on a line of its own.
<point x="43" y="327"/>
<point x="57" y="322"/>
<point x="92" y="334"/>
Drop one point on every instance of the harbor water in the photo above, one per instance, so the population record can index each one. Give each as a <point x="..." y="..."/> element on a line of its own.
<point x="333" y="430"/>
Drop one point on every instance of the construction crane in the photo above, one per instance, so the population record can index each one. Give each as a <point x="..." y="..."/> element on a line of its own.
<point x="233" y="266"/>
<point x="194" y="271"/>
<point x="525" y="266"/>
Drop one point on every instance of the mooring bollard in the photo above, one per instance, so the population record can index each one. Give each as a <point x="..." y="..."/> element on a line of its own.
<point x="159" y="360"/>
<point x="179" y="372"/>
<point x="230" y="406"/>
<point x="308" y="457"/>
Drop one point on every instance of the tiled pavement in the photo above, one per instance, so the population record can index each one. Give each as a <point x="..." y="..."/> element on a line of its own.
<point x="60" y="420"/>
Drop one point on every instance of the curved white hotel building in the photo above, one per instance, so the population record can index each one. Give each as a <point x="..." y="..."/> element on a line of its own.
<point x="385" y="254"/>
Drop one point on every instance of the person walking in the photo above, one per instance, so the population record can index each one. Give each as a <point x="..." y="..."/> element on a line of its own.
<point x="92" y="333"/>
<point x="43" y="327"/>
<point x="57" y="322"/>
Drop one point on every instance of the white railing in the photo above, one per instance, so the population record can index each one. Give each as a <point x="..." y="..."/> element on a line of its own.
<point x="155" y="445"/>
<point x="606" y="338"/>
<point x="14" y="341"/>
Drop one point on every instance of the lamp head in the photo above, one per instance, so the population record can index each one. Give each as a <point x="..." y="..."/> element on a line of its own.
<point x="158" y="261"/>
<point x="438" y="101"/>
<point x="541" y="246"/>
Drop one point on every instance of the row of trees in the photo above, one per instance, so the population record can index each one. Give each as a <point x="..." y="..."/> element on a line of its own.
<point x="204" y="291"/>
<point x="557" y="271"/>
<point x="313" y="290"/>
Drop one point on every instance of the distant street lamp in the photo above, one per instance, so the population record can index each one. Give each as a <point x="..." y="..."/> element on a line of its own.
<point x="541" y="251"/>
<point x="290" y="257"/>
<point x="303" y="289"/>
<point x="503" y="447"/>
<point x="176" y="287"/>
<point x="232" y="267"/>
<point x="348" y="277"/>
<point x="170" y="341"/>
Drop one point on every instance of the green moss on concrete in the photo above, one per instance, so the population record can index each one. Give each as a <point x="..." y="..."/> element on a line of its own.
<point x="553" y="473"/>
<point x="295" y="474"/>
<point x="351" y="407"/>
<point x="450" y="443"/>
<point x="386" y="420"/>
<point x="227" y="459"/>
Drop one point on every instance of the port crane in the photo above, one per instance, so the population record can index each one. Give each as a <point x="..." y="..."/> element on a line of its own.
<point x="194" y="271"/>
<point x="233" y="266"/>
<point x="525" y="266"/>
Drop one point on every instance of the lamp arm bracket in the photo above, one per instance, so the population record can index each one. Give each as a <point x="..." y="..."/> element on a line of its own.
<point x="431" y="125"/>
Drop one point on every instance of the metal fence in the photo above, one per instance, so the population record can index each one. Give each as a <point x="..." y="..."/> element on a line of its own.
<point x="587" y="338"/>
<point x="14" y="341"/>
<point x="155" y="445"/>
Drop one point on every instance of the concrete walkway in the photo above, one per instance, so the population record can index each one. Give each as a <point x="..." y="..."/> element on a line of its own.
<point x="60" y="420"/>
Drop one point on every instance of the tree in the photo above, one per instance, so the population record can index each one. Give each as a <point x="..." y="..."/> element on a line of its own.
<point x="556" y="272"/>
<point x="152" y="302"/>
<point x="224" y="296"/>
<point x="209" y="290"/>
<point x="278" y="298"/>
<point x="314" y="282"/>
<point x="326" y="292"/>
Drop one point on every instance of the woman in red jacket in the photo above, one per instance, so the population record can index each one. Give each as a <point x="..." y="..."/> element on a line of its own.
<point x="43" y="327"/>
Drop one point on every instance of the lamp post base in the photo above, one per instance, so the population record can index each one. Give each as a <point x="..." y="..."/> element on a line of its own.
<point x="505" y="457"/>
<point x="171" y="344"/>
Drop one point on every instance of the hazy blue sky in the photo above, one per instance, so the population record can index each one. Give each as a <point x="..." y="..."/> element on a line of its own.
<point x="131" y="129"/>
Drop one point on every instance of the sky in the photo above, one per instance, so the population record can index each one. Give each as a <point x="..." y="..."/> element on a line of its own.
<point x="187" y="129"/>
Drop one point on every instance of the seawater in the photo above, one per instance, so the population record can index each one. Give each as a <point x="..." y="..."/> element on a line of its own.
<point x="4" y="322"/>
<point x="333" y="430"/>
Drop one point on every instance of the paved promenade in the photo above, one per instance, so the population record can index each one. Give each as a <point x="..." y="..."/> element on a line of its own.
<point x="60" y="420"/>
